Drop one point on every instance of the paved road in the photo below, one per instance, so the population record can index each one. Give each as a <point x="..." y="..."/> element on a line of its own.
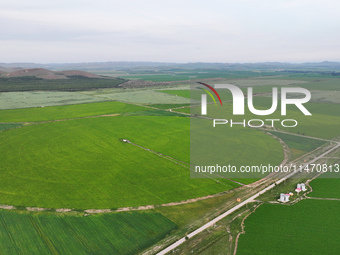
<point x="215" y="220"/>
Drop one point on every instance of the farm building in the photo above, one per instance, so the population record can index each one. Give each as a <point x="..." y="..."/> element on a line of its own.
<point x="301" y="186"/>
<point x="284" y="197"/>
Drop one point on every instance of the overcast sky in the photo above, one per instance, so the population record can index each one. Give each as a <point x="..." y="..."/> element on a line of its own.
<point x="45" y="31"/>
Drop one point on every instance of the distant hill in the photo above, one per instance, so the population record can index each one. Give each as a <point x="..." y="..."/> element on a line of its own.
<point x="133" y="65"/>
<point x="33" y="79"/>
<point x="45" y="74"/>
<point x="8" y="69"/>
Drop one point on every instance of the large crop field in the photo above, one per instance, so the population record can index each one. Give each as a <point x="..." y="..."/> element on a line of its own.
<point x="86" y="165"/>
<point x="308" y="227"/>
<point x="120" y="233"/>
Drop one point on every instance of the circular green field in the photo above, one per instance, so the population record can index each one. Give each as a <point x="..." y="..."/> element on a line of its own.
<point x="84" y="164"/>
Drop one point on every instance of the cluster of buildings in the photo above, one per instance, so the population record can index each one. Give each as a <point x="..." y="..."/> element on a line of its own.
<point x="284" y="197"/>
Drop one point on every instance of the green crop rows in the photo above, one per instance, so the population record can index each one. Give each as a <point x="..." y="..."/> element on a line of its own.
<point x="120" y="233"/>
<point x="327" y="185"/>
<point x="86" y="165"/>
<point x="299" y="143"/>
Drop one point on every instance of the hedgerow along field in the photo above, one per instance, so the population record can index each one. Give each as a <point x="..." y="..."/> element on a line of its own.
<point x="74" y="83"/>
<point x="308" y="227"/>
<point x="118" y="233"/>
<point x="86" y="165"/>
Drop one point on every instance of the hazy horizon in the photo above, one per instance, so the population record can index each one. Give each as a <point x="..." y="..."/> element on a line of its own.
<point x="219" y="31"/>
<point x="167" y="62"/>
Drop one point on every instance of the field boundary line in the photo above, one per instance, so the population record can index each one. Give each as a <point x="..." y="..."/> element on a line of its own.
<point x="176" y="161"/>
<point x="242" y="227"/>
<point x="121" y="209"/>
<point x="311" y="190"/>
<point x="323" y="198"/>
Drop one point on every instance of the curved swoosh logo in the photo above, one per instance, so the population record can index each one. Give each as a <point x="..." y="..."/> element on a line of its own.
<point x="213" y="90"/>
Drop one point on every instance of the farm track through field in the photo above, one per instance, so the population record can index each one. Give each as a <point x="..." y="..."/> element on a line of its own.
<point x="176" y="161"/>
<point x="323" y="198"/>
<point x="242" y="227"/>
<point x="122" y="209"/>
<point x="87" y="117"/>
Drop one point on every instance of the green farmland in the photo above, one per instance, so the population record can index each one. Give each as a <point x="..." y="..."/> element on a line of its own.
<point x="168" y="106"/>
<point x="186" y="75"/>
<point x="308" y="227"/>
<point x="318" y="125"/>
<point x="67" y="111"/>
<point x="298" y="145"/>
<point x="86" y="165"/>
<point x="298" y="142"/>
<point x="326" y="186"/>
<point x="8" y="126"/>
<point x="28" y="99"/>
<point x="180" y="93"/>
<point x="68" y="151"/>
<point x="120" y="233"/>
<point x="195" y="94"/>
<point x="237" y="146"/>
